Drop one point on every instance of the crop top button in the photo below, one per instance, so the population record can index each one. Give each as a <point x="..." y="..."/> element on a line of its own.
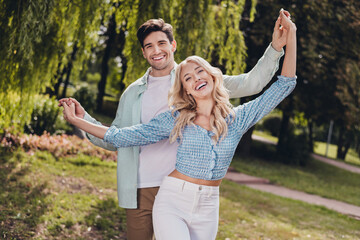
<point x="210" y="175"/>
<point x="213" y="154"/>
<point x="212" y="164"/>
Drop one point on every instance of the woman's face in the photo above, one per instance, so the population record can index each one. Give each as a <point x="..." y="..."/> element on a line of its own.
<point x="196" y="81"/>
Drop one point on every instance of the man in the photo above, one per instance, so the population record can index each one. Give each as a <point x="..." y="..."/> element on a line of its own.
<point x="140" y="170"/>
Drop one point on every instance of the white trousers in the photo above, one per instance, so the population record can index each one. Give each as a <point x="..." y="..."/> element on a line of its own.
<point x="184" y="211"/>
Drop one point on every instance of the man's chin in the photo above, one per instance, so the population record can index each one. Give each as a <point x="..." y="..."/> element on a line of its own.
<point x="159" y="67"/>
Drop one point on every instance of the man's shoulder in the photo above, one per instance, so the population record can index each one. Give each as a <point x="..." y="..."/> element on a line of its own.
<point x="134" y="86"/>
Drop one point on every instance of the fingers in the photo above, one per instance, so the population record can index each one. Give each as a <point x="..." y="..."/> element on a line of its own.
<point x="277" y="24"/>
<point x="68" y="101"/>
<point x="75" y="101"/>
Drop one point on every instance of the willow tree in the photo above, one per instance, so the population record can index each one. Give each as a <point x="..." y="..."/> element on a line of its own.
<point x="201" y="27"/>
<point x="36" y="37"/>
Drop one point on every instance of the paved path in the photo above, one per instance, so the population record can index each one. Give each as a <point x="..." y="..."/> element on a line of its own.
<point x="338" y="164"/>
<point x="265" y="185"/>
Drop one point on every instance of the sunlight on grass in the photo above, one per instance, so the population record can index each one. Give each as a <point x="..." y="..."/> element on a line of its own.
<point x="320" y="148"/>
<point x="351" y="156"/>
<point x="44" y="197"/>
<point x="249" y="214"/>
<point x="265" y="135"/>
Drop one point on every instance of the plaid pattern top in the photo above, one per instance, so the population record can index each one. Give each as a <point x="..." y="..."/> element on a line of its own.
<point x="198" y="156"/>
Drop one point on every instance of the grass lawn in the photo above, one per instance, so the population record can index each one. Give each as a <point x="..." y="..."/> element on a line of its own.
<point x="42" y="197"/>
<point x="320" y="148"/>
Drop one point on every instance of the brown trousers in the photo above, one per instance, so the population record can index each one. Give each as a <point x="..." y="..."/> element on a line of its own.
<point x="139" y="221"/>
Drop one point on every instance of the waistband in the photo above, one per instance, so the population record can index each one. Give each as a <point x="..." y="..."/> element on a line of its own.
<point x="182" y="185"/>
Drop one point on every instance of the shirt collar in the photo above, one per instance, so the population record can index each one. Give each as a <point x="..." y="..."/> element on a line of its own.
<point x="172" y="75"/>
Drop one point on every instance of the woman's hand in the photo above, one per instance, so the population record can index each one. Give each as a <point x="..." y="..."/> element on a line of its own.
<point x="285" y="21"/>
<point x="279" y="37"/>
<point x="79" y="110"/>
<point x="69" y="111"/>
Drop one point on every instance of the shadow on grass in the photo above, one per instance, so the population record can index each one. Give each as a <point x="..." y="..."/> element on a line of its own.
<point x="107" y="220"/>
<point x="22" y="202"/>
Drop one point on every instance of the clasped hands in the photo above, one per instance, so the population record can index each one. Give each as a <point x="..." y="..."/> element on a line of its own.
<point x="72" y="109"/>
<point x="283" y="27"/>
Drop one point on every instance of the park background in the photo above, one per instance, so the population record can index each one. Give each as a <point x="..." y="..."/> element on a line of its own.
<point x="58" y="186"/>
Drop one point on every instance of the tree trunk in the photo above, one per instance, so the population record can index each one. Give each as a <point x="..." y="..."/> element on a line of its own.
<point x="111" y="33"/>
<point x="122" y="41"/>
<point x="311" y="135"/>
<point x="284" y="127"/>
<point x="68" y="69"/>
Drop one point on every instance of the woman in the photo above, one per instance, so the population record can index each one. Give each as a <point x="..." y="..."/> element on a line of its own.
<point x="207" y="130"/>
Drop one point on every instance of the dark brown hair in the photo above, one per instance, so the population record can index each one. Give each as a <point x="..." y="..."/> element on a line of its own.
<point x="154" y="25"/>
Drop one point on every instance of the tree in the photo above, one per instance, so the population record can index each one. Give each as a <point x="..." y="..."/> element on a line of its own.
<point x="36" y="37"/>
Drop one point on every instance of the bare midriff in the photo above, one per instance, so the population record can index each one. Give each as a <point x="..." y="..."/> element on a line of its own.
<point x="181" y="176"/>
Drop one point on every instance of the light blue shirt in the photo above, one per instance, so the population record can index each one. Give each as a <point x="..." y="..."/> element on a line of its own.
<point x="129" y="112"/>
<point x="198" y="156"/>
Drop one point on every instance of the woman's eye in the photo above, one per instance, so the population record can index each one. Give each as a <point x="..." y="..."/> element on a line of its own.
<point x="186" y="79"/>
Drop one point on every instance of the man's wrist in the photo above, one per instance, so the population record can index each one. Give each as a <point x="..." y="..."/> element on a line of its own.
<point x="276" y="47"/>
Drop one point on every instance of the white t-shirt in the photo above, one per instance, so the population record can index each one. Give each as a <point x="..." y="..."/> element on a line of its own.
<point x="155" y="160"/>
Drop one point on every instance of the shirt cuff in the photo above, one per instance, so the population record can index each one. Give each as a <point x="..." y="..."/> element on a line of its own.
<point x="110" y="134"/>
<point x="88" y="118"/>
<point x="273" y="54"/>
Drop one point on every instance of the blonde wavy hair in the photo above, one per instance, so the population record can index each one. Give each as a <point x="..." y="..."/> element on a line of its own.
<point x="186" y="105"/>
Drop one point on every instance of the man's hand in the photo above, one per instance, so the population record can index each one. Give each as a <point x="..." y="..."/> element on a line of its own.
<point x="279" y="37"/>
<point x="79" y="110"/>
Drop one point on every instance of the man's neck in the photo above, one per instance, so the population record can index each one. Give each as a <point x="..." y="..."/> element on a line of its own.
<point x="163" y="72"/>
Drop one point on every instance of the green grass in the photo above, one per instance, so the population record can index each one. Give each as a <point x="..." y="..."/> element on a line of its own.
<point x="351" y="157"/>
<point x="47" y="198"/>
<point x="320" y="148"/>
<point x="316" y="177"/>
<point x="266" y="136"/>
<point x="250" y="214"/>
<point x="42" y="197"/>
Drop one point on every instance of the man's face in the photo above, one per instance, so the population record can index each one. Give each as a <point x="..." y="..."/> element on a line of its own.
<point x="159" y="52"/>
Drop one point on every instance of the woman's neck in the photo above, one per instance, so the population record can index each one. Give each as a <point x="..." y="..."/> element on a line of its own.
<point x="203" y="114"/>
<point x="204" y="107"/>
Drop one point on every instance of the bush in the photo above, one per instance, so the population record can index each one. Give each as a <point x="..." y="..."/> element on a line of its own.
<point x="86" y="97"/>
<point x="58" y="145"/>
<point x="271" y="124"/>
<point x="295" y="150"/>
<point x="46" y="116"/>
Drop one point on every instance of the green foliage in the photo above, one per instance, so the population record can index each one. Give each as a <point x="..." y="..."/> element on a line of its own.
<point x="35" y="37"/>
<point x="86" y="97"/>
<point x="271" y="124"/>
<point x="46" y="117"/>
<point x="213" y="34"/>
<point x="295" y="150"/>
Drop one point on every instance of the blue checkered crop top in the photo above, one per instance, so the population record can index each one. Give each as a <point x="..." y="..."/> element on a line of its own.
<point x="197" y="155"/>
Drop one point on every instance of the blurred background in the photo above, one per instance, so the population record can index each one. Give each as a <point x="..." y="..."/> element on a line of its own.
<point x="88" y="50"/>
